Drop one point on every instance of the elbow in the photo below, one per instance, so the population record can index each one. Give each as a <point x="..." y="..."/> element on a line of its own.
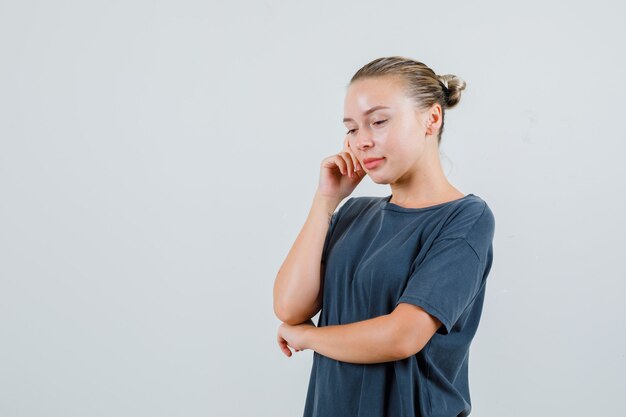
<point x="295" y="312"/>
<point x="410" y="344"/>
<point x="406" y="344"/>
<point x="290" y="316"/>
<point x="279" y="312"/>
<point x="402" y="350"/>
<point x="283" y="315"/>
<point x="282" y="308"/>
<point x="407" y="350"/>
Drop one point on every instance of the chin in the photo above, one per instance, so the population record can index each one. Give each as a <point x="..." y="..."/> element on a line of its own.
<point x="378" y="179"/>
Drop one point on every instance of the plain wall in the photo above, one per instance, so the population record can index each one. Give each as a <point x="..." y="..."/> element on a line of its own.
<point x="158" y="159"/>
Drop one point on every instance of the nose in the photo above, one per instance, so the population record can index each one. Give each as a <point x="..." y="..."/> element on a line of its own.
<point x="363" y="139"/>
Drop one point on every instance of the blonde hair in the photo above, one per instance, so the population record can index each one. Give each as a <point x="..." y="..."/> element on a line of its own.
<point x="422" y="84"/>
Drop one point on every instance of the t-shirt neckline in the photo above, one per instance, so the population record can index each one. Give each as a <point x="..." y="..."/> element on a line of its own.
<point x="386" y="205"/>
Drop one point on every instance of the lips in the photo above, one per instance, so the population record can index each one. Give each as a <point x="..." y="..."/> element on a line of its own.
<point x="372" y="162"/>
<point x="365" y="161"/>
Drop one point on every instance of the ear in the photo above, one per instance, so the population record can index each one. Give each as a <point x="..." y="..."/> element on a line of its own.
<point x="434" y="119"/>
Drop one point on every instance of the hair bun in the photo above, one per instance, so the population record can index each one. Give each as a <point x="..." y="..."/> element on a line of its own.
<point x="452" y="87"/>
<point x="443" y="80"/>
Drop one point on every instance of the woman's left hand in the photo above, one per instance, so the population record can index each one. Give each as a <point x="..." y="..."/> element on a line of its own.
<point x="293" y="336"/>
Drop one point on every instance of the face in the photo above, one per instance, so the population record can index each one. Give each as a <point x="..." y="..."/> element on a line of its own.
<point x="382" y="122"/>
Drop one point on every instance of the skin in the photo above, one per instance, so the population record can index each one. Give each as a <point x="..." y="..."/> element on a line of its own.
<point x="407" y="138"/>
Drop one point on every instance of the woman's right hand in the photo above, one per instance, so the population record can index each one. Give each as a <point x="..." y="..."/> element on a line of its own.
<point x="338" y="177"/>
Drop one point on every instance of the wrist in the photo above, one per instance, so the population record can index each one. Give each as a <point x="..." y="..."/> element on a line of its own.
<point x="328" y="202"/>
<point x="308" y="337"/>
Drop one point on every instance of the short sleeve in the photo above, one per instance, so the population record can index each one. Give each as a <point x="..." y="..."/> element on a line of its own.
<point x="331" y="228"/>
<point x="446" y="281"/>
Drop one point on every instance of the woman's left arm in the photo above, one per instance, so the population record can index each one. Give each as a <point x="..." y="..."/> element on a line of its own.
<point x="385" y="338"/>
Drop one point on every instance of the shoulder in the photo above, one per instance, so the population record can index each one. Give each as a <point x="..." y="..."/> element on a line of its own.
<point x="473" y="221"/>
<point x="355" y="210"/>
<point x="357" y="205"/>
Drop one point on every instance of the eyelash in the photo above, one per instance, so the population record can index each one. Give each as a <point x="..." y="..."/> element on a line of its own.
<point x="380" y="121"/>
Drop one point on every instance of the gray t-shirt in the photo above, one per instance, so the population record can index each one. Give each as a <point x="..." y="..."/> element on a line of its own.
<point x="378" y="254"/>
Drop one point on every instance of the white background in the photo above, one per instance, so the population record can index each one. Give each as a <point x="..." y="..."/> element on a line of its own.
<point x="157" y="160"/>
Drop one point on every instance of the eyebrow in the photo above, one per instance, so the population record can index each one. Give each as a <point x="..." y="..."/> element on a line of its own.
<point x="366" y="112"/>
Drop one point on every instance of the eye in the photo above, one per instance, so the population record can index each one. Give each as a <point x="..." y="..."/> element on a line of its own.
<point x="380" y="122"/>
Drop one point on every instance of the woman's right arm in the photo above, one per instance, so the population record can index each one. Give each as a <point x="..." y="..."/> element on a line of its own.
<point x="299" y="282"/>
<point x="298" y="285"/>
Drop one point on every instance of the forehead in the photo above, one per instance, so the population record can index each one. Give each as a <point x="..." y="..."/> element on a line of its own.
<point x="366" y="93"/>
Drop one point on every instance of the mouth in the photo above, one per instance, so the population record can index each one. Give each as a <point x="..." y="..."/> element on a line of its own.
<point x="372" y="162"/>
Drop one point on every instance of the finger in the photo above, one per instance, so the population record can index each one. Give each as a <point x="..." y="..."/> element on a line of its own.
<point x="341" y="163"/>
<point x="282" y="343"/>
<point x="346" y="143"/>
<point x="285" y="348"/>
<point x="349" y="163"/>
<point x="355" y="160"/>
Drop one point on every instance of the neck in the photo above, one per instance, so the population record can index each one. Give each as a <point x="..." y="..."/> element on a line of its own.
<point x="425" y="185"/>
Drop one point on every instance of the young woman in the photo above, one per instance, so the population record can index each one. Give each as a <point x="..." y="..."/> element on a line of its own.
<point x="400" y="280"/>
